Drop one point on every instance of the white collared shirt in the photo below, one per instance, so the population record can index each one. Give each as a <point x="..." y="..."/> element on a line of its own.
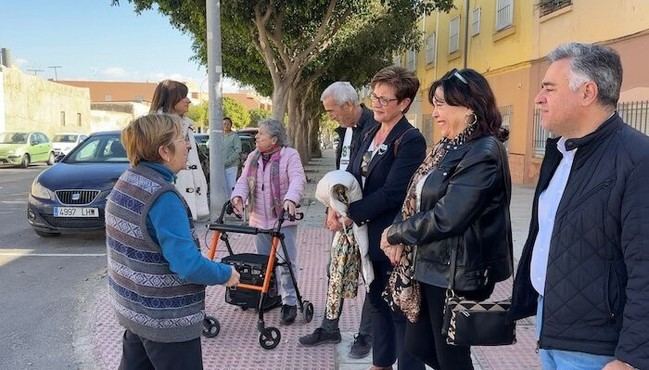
<point x="547" y="212"/>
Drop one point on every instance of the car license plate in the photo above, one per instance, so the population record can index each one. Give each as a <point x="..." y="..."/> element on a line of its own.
<point x="76" y="212"/>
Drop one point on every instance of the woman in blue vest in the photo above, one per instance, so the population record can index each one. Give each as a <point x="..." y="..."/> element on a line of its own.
<point x="156" y="273"/>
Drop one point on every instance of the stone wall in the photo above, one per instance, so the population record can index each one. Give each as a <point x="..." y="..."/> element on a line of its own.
<point x="34" y="104"/>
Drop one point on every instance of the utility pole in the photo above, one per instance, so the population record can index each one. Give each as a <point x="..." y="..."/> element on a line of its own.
<point x="34" y="71"/>
<point x="55" y="68"/>
<point x="465" y="52"/>
<point x="214" y="74"/>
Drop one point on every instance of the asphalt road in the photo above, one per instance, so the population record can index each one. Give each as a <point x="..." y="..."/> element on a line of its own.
<point x="46" y="285"/>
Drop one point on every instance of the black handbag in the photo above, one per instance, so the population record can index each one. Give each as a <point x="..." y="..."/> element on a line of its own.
<point x="472" y="323"/>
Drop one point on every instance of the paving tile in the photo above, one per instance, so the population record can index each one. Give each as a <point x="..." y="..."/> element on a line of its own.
<point x="237" y="347"/>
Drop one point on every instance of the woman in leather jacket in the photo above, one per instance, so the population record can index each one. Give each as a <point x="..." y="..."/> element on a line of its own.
<point x="457" y="199"/>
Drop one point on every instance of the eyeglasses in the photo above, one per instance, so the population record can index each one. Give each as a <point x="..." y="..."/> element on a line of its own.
<point x="184" y="138"/>
<point x="455" y="73"/>
<point x="381" y="100"/>
<point x="365" y="163"/>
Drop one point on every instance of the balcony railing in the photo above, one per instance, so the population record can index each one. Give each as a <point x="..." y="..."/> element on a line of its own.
<point x="549" y="6"/>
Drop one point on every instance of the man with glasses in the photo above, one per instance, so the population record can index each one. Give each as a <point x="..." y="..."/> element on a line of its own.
<point x="584" y="270"/>
<point x="341" y="103"/>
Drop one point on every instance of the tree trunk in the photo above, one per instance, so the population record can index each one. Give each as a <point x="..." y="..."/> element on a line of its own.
<point x="292" y="118"/>
<point x="314" y="136"/>
<point x="280" y="94"/>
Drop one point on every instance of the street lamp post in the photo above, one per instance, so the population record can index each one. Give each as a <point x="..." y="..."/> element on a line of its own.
<point x="214" y="71"/>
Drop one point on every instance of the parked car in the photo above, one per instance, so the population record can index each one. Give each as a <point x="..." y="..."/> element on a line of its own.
<point x="248" y="144"/>
<point x="201" y="140"/>
<point x="71" y="195"/>
<point x="65" y="142"/>
<point x="23" y="148"/>
<point x="246" y="135"/>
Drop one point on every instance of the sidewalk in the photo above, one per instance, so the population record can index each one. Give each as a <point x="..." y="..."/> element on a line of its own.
<point x="237" y="347"/>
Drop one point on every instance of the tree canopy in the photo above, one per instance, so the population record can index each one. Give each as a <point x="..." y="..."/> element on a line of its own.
<point x="291" y="49"/>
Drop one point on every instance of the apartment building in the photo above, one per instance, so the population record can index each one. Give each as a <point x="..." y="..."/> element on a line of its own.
<point x="507" y="41"/>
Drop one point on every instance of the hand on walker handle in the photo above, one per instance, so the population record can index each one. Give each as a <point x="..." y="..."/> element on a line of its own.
<point x="289" y="208"/>
<point x="237" y="205"/>
<point x="234" y="278"/>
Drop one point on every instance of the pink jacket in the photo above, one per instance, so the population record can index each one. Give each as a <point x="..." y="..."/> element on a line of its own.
<point x="292" y="182"/>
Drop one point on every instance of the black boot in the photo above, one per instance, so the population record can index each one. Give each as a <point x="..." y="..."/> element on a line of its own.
<point x="288" y="314"/>
<point x="320" y="336"/>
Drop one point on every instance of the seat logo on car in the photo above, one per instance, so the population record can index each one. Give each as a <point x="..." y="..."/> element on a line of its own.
<point x="76" y="196"/>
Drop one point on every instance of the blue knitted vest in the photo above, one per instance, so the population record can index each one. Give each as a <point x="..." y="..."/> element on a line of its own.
<point x="149" y="299"/>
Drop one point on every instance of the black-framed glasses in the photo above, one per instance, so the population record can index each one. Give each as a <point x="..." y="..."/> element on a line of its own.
<point x="365" y="163"/>
<point x="455" y="73"/>
<point x="381" y="100"/>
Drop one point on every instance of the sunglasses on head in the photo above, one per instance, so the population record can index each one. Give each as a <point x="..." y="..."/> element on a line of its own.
<point x="455" y="73"/>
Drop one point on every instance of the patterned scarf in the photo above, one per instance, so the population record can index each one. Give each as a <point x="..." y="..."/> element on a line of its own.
<point x="402" y="291"/>
<point x="271" y="158"/>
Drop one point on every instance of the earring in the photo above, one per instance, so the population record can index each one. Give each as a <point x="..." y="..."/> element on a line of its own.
<point x="475" y="119"/>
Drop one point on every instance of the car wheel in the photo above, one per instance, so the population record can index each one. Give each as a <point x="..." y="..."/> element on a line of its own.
<point x="46" y="234"/>
<point x="25" y="161"/>
<point x="50" y="159"/>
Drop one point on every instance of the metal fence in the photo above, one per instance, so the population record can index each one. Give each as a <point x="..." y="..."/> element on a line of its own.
<point x="540" y="135"/>
<point x="635" y="114"/>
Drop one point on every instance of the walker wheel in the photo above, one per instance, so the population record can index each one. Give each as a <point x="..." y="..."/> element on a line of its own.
<point x="269" y="338"/>
<point x="308" y="311"/>
<point x="211" y="327"/>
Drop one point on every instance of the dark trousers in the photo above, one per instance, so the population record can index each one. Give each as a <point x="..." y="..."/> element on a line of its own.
<point x="424" y="338"/>
<point x="143" y="354"/>
<point x="365" y="327"/>
<point x="388" y="326"/>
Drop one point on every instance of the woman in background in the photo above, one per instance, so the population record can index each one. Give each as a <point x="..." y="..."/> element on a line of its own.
<point x="171" y="97"/>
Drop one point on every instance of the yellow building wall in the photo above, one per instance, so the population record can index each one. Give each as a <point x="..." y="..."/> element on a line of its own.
<point x="34" y="104"/>
<point x="512" y="59"/>
<point x="591" y="21"/>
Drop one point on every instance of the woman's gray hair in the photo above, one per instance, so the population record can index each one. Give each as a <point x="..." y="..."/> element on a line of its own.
<point x="590" y="62"/>
<point x="275" y="129"/>
<point x="342" y="92"/>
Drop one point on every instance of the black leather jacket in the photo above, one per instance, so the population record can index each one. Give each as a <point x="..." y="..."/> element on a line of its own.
<point x="464" y="205"/>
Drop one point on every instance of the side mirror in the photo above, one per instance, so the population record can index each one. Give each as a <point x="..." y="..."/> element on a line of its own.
<point x="59" y="157"/>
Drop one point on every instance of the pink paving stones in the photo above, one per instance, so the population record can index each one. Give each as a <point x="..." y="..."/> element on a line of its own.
<point x="237" y="346"/>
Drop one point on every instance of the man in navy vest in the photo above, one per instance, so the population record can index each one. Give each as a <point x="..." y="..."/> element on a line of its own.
<point x="584" y="270"/>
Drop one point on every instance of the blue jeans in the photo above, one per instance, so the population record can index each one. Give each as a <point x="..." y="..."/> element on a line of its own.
<point x="554" y="359"/>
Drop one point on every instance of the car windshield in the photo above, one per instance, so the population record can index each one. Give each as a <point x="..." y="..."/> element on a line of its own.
<point x="13" y="138"/>
<point x="201" y="138"/>
<point x="65" y="138"/>
<point x="98" y="148"/>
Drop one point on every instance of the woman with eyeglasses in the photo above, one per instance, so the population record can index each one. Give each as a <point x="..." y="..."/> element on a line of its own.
<point x="457" y="202"/>
<point x="386" y="158"/>
<point x="156" y="272"/>
<point x="272" y="183"/>
<point x="171" y="97"/>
